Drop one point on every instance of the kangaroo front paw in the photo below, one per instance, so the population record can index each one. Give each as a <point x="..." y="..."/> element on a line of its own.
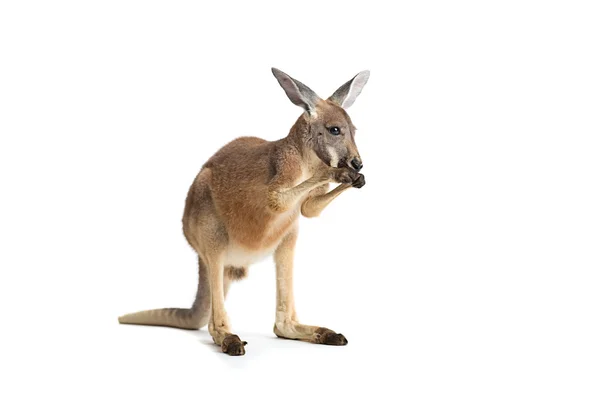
<point x="233" y="345"/>
<point x="343" y="175"/>
<point x="327" y="336"/>
<point x="359" y="182"/>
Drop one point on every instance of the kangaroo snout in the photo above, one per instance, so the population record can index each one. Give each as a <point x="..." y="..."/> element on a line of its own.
<point x="356" y="163"/>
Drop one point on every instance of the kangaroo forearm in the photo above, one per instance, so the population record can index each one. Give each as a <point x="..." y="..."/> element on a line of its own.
<point x="313" y="206"/>
<point x="283" y="199"/>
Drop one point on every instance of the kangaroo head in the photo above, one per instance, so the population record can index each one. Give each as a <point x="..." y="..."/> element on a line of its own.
<point x="330" y="132"/>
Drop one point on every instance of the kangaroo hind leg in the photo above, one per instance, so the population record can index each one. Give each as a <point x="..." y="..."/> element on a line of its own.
<point x="219" y="325"/>
<point x="286" y="322"/>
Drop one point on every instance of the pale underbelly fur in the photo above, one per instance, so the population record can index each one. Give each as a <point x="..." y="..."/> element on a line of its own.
<point x="239" y="256"/>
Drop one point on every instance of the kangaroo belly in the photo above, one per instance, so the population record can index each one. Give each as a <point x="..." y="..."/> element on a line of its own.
<point x="259" y="240"/>
<point x="240" y="195"/>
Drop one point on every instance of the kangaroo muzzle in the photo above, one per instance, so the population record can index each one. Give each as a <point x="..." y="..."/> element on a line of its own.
<point x="356" y="163"/>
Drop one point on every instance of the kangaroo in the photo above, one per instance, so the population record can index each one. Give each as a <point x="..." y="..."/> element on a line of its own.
<point x="244" y="205"/>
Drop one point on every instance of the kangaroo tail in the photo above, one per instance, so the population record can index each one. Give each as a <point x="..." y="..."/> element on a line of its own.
<point x="184" y="318"/>
<point x="175" y="317"/>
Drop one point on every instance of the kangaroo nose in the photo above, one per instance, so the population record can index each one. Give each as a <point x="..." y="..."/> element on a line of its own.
<point x="356" y="163"/>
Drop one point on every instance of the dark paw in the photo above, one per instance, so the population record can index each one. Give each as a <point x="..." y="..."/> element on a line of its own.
<point x="233" y="346"/>
<point x="327" y="336"/>
<point x="344" y="175"/>
<point x="359" y="182"/>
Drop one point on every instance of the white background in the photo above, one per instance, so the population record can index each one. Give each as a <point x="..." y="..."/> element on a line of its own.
<point x="466" y="268"/>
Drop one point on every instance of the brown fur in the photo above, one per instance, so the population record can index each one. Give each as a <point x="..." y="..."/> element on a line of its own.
<point x="245" y="203"/>
<point x="236" y="273"/>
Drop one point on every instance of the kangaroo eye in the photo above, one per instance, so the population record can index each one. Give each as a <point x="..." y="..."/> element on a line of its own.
<point x="334" y="130"/>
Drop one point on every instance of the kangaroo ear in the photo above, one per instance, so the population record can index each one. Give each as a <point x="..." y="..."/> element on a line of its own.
<point x="349" y="91"/>
<point x="300" y="94"/>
